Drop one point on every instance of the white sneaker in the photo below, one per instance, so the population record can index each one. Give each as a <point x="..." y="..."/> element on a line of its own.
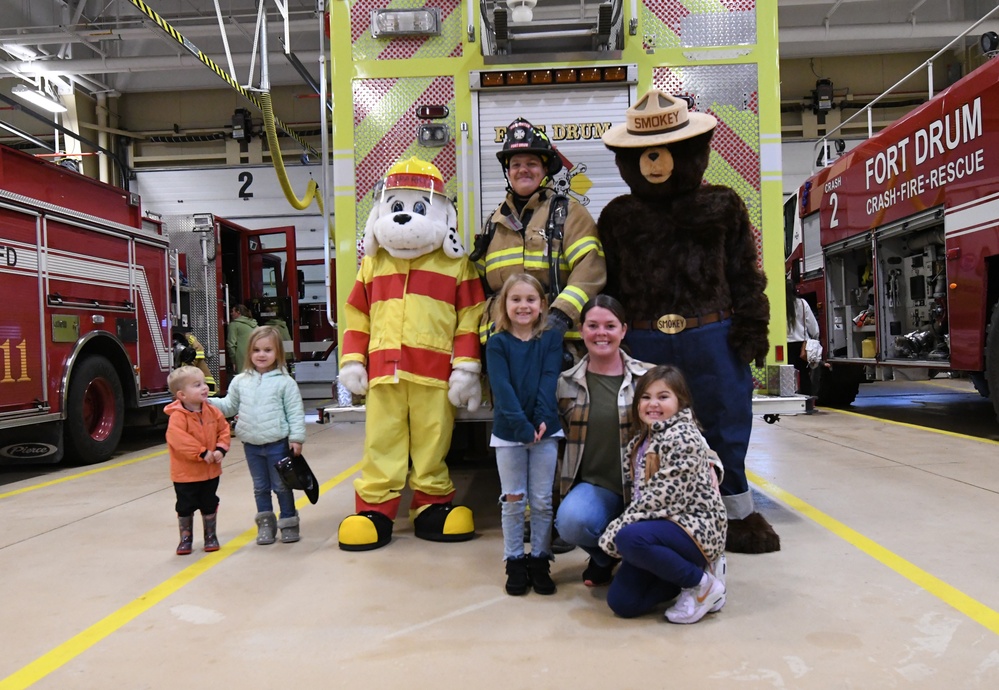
<point x="719" y="568"/>
<point x="696" y="602"/>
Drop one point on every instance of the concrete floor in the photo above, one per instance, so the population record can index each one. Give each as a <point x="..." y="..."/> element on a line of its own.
<point x="887" y="579"/>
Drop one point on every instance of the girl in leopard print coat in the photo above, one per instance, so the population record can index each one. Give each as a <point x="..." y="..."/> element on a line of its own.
<point x="674" y="526"/>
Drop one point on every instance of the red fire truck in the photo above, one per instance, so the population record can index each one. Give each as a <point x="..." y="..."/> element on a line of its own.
<point x="897" y="244"/>
<point x="84" y="332"/>
<point x="96" y="296"/>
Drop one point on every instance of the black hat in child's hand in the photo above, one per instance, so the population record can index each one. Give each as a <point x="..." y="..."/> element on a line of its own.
<point x="297" y="474"/>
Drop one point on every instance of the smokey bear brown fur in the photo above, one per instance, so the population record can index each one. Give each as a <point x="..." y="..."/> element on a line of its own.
<point x="684" y="247"/>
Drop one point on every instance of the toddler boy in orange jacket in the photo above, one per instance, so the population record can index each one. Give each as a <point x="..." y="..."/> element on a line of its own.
<point x="198" y="438"/>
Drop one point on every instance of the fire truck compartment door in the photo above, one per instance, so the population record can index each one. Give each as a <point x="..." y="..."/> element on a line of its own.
<point x="22" y="323"/>
<point x="574" y="119"/>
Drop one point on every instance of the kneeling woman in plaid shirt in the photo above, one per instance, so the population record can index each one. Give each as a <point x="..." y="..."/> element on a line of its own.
<point x="595" y="400"/>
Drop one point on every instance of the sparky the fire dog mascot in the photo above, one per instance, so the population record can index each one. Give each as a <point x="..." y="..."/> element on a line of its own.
<point x="682" y="259"/>
<point x="411" y="345"/>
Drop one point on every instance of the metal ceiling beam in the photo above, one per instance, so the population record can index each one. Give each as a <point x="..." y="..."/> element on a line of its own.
<point x="23" y="36"/>
<point x="123" y="65"/>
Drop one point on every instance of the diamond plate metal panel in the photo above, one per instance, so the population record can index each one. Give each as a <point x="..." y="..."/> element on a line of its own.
<point x="781" y="379"/>
<point x="366" y="47"/>
<point x="718" y="29"/>
<point x="385" y="125"/>
<point x="201" y="289"/>
<point x="697" y="23"/>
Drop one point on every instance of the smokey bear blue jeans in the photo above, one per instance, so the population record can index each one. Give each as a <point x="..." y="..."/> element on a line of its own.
<point x="722" y="388"/>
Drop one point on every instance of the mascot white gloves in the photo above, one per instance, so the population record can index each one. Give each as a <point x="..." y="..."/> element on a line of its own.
<point x="411" y="345"/>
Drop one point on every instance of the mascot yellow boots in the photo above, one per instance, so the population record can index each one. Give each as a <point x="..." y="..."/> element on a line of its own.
<point x="411" y="346"/>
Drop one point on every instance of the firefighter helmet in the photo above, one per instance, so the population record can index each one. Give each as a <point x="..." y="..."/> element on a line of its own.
<point x="415" y="174"/>
<point x="523" y="137"/>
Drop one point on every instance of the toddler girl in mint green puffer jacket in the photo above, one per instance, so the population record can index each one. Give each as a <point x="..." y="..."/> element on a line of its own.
<point x="271" y="425"/>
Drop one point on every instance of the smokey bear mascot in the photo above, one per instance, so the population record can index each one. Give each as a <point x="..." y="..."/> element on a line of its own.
<point x="411" y="344"/>
<point x="682" y="260"/>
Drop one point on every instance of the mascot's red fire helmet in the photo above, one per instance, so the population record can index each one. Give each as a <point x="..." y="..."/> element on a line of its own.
<point x="415" y="174"/>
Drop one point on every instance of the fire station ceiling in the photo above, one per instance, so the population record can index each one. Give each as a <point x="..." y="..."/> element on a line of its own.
<point x="111" y="46"/>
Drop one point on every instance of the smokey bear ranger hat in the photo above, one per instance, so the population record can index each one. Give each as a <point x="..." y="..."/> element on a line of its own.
<point x="657" y="119"/>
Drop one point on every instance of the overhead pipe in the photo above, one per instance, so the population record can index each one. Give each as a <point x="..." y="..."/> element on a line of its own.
<point x="131" y="64"/>
<point x="138" y="33"/>
<point x="874" y="32"/>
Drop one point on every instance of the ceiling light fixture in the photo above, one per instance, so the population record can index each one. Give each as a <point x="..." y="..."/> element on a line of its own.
<point x="521" y="11"/>
<point x="38" y="98"/>
<point x="425" y="21"/>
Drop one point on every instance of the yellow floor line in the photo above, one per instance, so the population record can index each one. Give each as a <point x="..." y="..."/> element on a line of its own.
<point x="944" y="432"/>
<point x="975" y="610"/>
<point x="78" y="475"/>
<point x="72" y="648"/>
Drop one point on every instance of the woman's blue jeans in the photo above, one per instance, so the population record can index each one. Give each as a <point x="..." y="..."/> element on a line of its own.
<point x="527" y="471"/>
<point x="584" y="514"/>
<point x="262" y="461"/>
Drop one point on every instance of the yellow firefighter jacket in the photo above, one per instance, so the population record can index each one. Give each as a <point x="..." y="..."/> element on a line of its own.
<point x="410" y="318"/>
<point x="579" y="256"/>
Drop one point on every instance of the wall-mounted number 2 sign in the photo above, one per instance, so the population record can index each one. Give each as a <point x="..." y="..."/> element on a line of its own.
<point x="247" y="179"/>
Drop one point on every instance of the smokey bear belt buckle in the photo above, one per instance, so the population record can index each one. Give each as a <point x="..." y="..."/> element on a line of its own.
<point x="671" y="324"/>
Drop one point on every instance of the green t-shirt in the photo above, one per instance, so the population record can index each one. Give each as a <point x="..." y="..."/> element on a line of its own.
<point x="601" y="463"/>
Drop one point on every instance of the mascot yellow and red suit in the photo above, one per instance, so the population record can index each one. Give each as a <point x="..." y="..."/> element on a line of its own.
<point x="411" y="345"/>
<point x="682" y="259"/>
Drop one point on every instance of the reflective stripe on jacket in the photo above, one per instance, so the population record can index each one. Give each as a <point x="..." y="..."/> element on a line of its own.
<point x="413" y="318"/>
<point x="582" y="268"/>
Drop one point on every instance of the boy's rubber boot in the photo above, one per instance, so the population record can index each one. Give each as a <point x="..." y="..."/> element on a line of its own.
<point x="186" y="538"/>
<point x="289" y="529"/>
<point x="211" y="538"/>
<point x="266" y="528"/>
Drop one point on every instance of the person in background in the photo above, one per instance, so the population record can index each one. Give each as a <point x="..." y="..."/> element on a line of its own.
<point x="801" y="326"/>
<point x="241" y="324"/>
<point x="271" y="423"/>
<point x="524" y="360"/>
<point x="197" y="438"/>
<point x="595" y="404"/>
<point x="671" y="536"/>
<point x="192" y="352"/>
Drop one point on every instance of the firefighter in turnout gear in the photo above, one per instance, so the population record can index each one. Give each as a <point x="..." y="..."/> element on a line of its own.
<point x="411" y="345"/>
<point x="188" y="350"/>
<point x="536" y="231"/>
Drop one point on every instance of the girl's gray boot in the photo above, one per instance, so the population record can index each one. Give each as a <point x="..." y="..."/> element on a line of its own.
<point x="289" y="529"/>
<point x="266" y="528"/>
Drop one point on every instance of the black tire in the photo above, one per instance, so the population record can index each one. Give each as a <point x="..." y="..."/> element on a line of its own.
<point x="95" y="411"/>
<point x="992" y="359"/>
<point x="840" y="385"/>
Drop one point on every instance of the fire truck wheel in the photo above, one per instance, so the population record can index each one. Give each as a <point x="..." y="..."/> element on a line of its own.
<point x="992" y="359"/>
<point x="95" y="411"/>
<point x="840" y="385"/>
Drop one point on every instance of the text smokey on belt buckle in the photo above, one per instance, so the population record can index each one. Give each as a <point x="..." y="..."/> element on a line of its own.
<point x="671" y="324"/>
